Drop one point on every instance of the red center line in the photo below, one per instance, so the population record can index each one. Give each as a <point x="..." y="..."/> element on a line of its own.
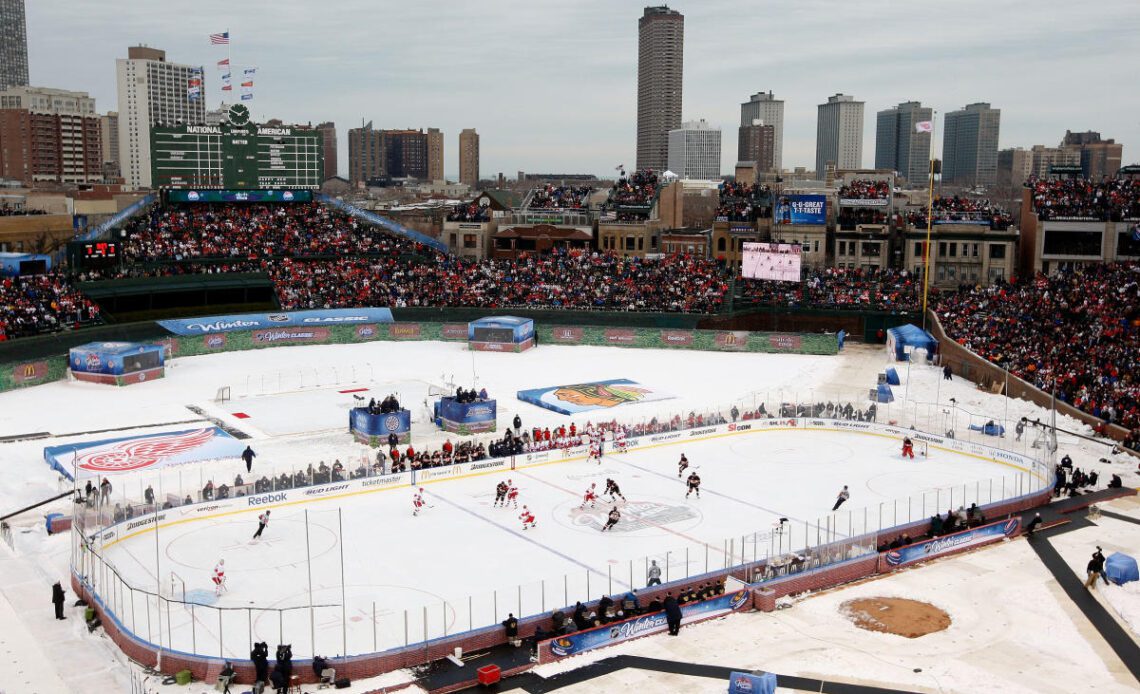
<point x="643" y="520"/>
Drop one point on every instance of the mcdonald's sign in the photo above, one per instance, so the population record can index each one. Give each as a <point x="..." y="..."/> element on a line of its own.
<point x="29" y="371"/>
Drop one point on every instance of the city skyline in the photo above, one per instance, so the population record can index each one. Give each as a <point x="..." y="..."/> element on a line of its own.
<point x="813" y="49"/>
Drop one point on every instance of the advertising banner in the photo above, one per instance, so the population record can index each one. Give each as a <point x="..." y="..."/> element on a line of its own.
<point x="584" y="397"/>
<point x="952" y="543"/>
<point x="863" y="202"/>
<point x="290" y="335"/>
<point x="608" y="635"/>
<point x="802" y="209"/>
<point x="110" y="456"/>
<point x="466" y="417"/>
<point x="374" y="429"/>
<point x="254" y="321"/>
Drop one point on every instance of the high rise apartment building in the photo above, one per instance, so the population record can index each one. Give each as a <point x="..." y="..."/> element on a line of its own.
<point x="660" y="66"/>
<point x="763" y="109"/>
<point x="900" y="145"/>
<point x="970" y="146"/>
<point x="839" y="134"/>
<point x="13" y="44"/>
<point x="151" y="91"/>
<point x="469" y="157"/>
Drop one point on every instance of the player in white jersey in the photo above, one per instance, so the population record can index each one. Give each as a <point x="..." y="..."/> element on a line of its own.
<point x="512" y="495"/>
<point x="418" y="502"/>
<point x="591" y="496"/>
<point x="619" y="439"/>
<point x="219" y="577"/>
<point x="527" y="517"/>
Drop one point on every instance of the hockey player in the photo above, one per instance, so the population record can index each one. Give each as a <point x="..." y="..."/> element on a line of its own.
<point x="682" y="465"/>
<point x="262" y="522"/>
<point x="907" y="448"/>
<point x="694" y="483"/>
<point x="219" y="577"/>
<point x="500" y="494"/>
<point x="418" y="502"/>
<point x="615" y="516"/>
<point x="619" y="439"/>
<point x="613" y="490"/>
<point x="512" y="495"/>
<point x="595" y="451"/>
<point x="590" y="496"/>
<point x="527" y="517"/>
<point x="844" y="495"/>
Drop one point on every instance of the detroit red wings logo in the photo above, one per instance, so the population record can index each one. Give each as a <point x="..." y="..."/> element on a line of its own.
<point x="132" y="455"/>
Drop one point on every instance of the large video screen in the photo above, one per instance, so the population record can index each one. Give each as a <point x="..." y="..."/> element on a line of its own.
<point x="772" y="261"/>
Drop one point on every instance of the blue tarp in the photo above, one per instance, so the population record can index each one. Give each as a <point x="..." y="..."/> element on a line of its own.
<point x="989" y="429"/>
<point x="909" y="335"/>
<point x="1121" y="568"/>
<point x="884" y="393"/>
<point x="893" y="377"/>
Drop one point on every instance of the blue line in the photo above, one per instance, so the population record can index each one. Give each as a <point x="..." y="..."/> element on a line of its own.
<point x="526" y="538"/>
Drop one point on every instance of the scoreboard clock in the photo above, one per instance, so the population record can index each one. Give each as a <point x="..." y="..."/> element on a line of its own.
<point x="94" y="254"/>
<point x="236" y="155"/>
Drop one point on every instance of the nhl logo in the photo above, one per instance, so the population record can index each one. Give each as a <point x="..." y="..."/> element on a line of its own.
<point x="392" y="423"/>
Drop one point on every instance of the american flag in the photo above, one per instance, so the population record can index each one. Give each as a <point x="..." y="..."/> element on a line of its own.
<point x="220" y="39"/>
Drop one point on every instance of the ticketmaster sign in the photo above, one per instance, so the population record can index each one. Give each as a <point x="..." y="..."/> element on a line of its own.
<point x="255" y="321"/>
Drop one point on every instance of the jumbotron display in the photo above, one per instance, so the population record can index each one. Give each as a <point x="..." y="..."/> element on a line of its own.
<point x="771" y="261"/>
<point x="236" y="155"/>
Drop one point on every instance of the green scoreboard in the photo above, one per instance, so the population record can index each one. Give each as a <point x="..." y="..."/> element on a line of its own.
<point x="236" y="155"/>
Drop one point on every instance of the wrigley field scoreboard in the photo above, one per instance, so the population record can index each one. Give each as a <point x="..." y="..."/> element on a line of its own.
<point x="236" y="155"/>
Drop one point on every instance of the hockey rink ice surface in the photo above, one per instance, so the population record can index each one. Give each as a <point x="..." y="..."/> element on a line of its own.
<point x="462" y="563"/>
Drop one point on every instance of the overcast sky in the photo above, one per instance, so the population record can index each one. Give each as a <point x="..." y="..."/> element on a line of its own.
<point x="552" y="87"/>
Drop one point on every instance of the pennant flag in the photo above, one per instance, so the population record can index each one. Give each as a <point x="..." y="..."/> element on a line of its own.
<point x="224" y="64"/>
<point x="249" y="71"/>
<point x="1136" y="232"/>
<point x="222" y="39"/>
<point x="196" y="71"/>
<point x="195" y="82"/>
<point x="246" y="97"/>
<point x="227" y="87"/>
<point x="225" y="75"/>
<point x="924" y="126"/>
<point x="247" y="84"/>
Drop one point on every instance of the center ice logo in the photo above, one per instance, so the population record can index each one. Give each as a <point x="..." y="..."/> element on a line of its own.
<point x="132" y="455"/>
<point x="635" y="515"/>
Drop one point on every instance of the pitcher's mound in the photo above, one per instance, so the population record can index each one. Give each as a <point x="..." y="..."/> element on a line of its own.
<point x="899" y="616"/>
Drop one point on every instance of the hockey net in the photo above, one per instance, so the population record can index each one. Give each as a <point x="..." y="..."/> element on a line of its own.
<point x="223" y="394"/>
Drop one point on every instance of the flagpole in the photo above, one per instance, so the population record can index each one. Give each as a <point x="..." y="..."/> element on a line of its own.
<point x="929" y="220"/>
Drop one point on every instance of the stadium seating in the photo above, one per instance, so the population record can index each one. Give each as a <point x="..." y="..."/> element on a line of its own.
<point x="42" y="304"/>
<point x="1112" y="199"/>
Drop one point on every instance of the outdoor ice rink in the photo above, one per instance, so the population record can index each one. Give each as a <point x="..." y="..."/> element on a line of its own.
<point x="463" y="563"/>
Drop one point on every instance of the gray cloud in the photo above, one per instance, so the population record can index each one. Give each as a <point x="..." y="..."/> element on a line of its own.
<point x="552" y="86"/>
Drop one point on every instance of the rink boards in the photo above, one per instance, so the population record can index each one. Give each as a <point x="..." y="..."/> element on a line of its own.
<point x="126" y="530"/>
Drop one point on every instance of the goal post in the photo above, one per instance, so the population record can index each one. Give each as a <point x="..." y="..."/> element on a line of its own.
<point x="223" y="394"/>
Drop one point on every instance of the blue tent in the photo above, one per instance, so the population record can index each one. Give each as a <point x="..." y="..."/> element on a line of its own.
<point x="1121" y="568"/>
<point x="893" y="377"/>
<point x="909" y="335"/>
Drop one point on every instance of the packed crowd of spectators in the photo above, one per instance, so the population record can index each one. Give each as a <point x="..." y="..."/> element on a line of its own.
<point x="631" y="192"/>
<point x="8" y="211"/>
<point x="854" y="289"/>
<point x="1112" y="199"/>
<point x="962" y="209"/>
<point x="740" y="202"/>
<point x="564" y="279"/>
<point x="552" y="197"/>
<point x="1077" y="330"/>
<point x="849" y="217"/>
<point x="38" y="304"/>
<point x="865" y="190"/>
<point x="189" y="232"/>
<point x="469" y="212"/>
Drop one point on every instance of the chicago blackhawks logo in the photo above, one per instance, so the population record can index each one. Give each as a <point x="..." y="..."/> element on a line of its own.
<point x="132" y="455"/>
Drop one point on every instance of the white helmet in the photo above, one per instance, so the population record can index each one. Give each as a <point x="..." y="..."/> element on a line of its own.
<point x="221" y="562"/>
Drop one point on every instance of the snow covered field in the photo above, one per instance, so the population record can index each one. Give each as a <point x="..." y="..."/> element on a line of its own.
<point x="462" y="546"/>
